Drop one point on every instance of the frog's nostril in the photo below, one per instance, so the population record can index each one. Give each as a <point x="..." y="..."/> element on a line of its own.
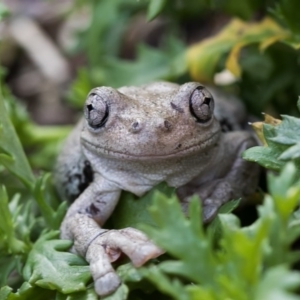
<point x="167" y="125"/>
<point x="135" y="127"/>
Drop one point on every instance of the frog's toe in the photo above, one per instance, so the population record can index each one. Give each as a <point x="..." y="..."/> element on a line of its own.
<point x="143" y="248"/>
<point x="105" y="278"/>
<point x="107" y="284"/>
<point x="209" y="212"/>
<point x="145" y="252"/>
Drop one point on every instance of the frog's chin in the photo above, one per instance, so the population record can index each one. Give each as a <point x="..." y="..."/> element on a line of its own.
<point x="193" y="149"/>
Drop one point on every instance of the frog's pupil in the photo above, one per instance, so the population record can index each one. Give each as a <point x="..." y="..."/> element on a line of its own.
<point x="90" y="107"/>
<point x="206" y="101"/>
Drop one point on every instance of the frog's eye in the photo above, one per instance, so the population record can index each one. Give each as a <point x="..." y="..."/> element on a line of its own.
<point x="96" y="111"/>
<point x="201" y="105"/>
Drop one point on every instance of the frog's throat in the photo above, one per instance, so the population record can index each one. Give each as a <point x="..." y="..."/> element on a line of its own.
<point x="192" y="149"/>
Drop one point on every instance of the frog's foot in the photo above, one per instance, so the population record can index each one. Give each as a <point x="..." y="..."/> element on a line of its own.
<point x="222" y="193"/>
<point x="107" y="248"/>
<point x="213" y="195"/>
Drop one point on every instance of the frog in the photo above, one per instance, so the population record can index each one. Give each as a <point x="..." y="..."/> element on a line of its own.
<point x="131" y="139"/>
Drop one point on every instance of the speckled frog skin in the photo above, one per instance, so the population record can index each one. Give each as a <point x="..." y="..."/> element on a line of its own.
<point x="133" y="138"/>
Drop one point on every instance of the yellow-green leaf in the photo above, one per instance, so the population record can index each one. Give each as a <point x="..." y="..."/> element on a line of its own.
<point x="203" y="58"/>
<point x="258" y="127"/>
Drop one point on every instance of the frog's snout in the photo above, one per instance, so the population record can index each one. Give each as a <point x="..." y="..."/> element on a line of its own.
<point x="162" y="125"/>
<point x="166" y="125"/>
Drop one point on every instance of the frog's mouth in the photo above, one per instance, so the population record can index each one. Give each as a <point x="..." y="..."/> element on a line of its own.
<point x="179" y="151"/>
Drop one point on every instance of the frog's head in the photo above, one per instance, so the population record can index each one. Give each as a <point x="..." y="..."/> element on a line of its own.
<point x="154" y="121"/>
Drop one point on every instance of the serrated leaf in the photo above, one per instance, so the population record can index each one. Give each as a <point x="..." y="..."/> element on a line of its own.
<point x="49" y="267"/>
<point x="26" y="292"/>
<point x="233" y="270"/>
<point x="281" y="142"/>
<point x="265" y="156"/>
<point x="166" y="211"/>
<point x="285" y="131"/>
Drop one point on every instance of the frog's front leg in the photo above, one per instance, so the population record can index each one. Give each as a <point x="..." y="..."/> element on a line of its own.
<point x="239" y="181"/>
<point x="99" y="246"/>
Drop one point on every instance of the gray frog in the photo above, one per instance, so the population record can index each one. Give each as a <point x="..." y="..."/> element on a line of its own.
<point x="133" y="138"/>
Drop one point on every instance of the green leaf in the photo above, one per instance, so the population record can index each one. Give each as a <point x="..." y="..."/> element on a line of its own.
<point x="265" y="156"/>
<point x="24" y="218"/>
<point x="278" y="283"/>
<point x="285" y="131"/>
<point x="287" y="12"/>
<point x="12" y="155"/>
<point x="4" y="292"/>
<point x="279" y="185"/>
<point x="53" y="218"/>
<point x="132" y="211"/>
<point x="286" y="199"/>
<point x="49" y="267"/>
<point x="129" y="273"/>
<point x="291" y="153"/>
<point x="163" y="283"/>
<point x="282" y="144"/>
<point x="26" y="292"/>
<point x="151" y="64"/>
<point x="9" y="241"/>
<point x="120" y="294"/>
<point x="170" y="221"/>
<point x="80" y="88"/>
<point x="233" y="270"/>
<point x="238" y="8"/>
<point x="41" y="141"/>
<point x="89" y="294"/>
<point x="7" y="265"/>
<point x="215" y="228"/>
<point x="154" y="9"/>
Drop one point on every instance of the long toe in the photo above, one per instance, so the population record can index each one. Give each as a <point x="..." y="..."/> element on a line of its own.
<point x="107" y="284"/>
